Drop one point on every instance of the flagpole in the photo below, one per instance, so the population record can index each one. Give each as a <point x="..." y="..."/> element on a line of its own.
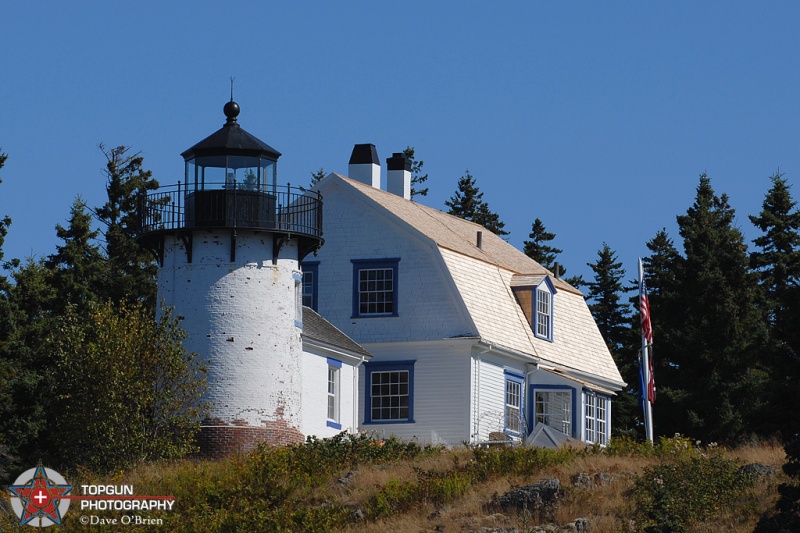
<point x="648" y="407"/>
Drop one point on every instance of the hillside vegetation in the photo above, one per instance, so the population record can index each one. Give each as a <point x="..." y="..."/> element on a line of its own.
<point x="362" y="483"/>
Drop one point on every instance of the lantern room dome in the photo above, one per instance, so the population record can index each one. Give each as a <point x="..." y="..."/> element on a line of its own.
<point x="231" y="139"/>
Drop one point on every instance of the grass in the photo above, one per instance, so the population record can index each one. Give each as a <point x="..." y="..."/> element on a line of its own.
<point x="389" y="485"/>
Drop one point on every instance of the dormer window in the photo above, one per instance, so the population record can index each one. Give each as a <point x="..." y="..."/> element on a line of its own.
<point x="544" y="312"/>
<point x="536" y="296"/>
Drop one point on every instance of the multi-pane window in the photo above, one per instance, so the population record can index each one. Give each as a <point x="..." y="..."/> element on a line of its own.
<point x="596" y="418"/>
<point x="554" y="409"/>
<point x="390" y="394"/>
<point x="333" y="393"/>
<point x="544" y="313"/>
<point x="375" y="287"/>
<point x="308" y="289"/>
<point x="375" y="291"/>
<point x="310" y="284"/>
<point x="513" y="405"/>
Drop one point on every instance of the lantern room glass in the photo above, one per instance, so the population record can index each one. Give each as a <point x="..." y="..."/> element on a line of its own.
<point x="247" y="173"/>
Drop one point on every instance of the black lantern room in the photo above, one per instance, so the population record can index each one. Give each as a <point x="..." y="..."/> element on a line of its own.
<point x="231" y="183"/>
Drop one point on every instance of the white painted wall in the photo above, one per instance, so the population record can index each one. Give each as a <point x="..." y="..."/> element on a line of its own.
<point x="441" y="391"/>
<point x="429" y="307"/>
<point x="315" y="394"/>
<point x="240" y="318"/>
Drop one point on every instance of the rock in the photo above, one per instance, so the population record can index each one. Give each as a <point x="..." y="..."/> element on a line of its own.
<point x="756" y="470"/>
<point x="582" y="480"/>
<point x="358" y="514"/>
<point x="603" y="479"/>
<point x="347" y="478"/>
<point x="542" y="496"/>
<point x="499" y="530"/>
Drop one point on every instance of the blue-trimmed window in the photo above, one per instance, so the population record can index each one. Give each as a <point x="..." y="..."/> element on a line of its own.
<point x="543" y="310"/>
<point x="298" y="299"/>
<point x="389" y="392"/>
<point x="310" y="284"/>
<point x="513" y="402"/>
<point x="334" y="393"/>
<point x="553" y="408"/>
<point x="375" y="287"/>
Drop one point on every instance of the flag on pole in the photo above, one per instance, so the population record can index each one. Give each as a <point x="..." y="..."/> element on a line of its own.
<point x="647" y="335"/>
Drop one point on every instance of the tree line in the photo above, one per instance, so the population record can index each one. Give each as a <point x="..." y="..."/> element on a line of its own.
<point x="90" y="373"/>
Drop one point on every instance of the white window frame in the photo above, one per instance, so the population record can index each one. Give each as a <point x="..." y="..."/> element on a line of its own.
<point x="513" y="395"/>
<point x="298" y="299"/>
<point x="543" y="317"/>
<point x="334" y="393"/>
<point x="595" y="415"/>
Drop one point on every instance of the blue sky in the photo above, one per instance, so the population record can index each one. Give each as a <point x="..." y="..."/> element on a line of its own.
<point x="595" y="117"/>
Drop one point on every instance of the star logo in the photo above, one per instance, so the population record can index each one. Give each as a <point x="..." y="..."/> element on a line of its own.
<point x="38" y="497"/>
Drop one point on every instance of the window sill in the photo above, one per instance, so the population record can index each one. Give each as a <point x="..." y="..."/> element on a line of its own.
<point x="332" y="424"/>
<point x="382" y="422"/>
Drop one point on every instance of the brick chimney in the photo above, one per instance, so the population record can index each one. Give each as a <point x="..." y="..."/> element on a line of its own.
<point x="365" y="165"/>
<point x="398" y="176"/>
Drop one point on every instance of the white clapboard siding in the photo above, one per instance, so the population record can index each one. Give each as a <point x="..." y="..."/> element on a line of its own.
<point x="441" y="391"/>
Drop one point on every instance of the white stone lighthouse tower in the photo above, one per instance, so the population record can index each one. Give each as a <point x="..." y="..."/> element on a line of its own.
<point x="229" y="242"/>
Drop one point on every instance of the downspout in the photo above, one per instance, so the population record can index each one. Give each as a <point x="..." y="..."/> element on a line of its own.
<point x="355" y="394"/>
<point x="477" y="412"/>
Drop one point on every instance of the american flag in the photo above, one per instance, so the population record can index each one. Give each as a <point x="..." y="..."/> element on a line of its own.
<point x="644" y="307"/>
<point x="647" y="334"/>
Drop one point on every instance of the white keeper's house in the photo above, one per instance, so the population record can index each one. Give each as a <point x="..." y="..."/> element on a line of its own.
<point x="391" y="317"/>
<point x="471" y="339"/>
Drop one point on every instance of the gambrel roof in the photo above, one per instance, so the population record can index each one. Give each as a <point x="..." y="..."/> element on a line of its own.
<point x="484" y="276"/>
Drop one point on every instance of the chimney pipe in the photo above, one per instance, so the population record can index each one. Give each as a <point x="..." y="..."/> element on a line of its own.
<point x="480" y="240"/>
<point x="365" y="165"/>
<point x="557" y="270"/>
<point x="398" y="175"/>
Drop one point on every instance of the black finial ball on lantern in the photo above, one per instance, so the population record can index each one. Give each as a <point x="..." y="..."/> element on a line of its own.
<point x="231" y="111"/>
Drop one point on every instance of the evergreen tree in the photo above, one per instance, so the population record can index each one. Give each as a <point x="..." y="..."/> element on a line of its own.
<point x="316" y="176"/>
<point x="777" y="260"/>
<point x="132" y="269"/>
<point x="612" y="315"/>
<point x="723" y="330"/>
<point x="79" y="269"/>
<point x="417" y="177"/>
<point x="467" y="203"/>
<point x="662" y="273"/>
<point x="538" y="249"/>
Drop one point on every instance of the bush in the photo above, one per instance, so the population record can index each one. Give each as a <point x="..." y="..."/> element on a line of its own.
<point x="676" y="494"/>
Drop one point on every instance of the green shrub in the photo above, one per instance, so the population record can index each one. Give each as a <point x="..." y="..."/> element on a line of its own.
<point x="678" y="493"/>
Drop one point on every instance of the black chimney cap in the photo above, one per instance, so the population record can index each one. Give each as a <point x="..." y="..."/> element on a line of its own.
<point x="398" y="161"/>
<point x="364" y="154"/>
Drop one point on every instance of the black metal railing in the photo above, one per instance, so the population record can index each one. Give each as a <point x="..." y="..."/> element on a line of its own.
<point x="284" y="209"/>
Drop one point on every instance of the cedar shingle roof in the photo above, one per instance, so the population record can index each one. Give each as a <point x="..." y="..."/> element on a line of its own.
<point x="317" y="328"/>
<point x="457" y="234"/>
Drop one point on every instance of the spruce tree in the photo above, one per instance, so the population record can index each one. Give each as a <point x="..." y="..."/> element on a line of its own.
<point x="417" y="177"/>
<point x="316" y="176"/>
<point x="612" y="314"/>
<point x="132" y="269"/>
<point x="662" y="270"/>
<point x="722" y="328"/>
<point x="80" y="272"/>
<point x="777" y="260"/>
<point x="467" y="203"/>
<point x="538" y="249"/>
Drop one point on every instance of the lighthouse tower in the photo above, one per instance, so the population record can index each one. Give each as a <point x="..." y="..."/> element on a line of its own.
<point x="229" y="240"/>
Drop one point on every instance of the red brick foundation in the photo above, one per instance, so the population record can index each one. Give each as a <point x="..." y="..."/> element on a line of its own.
<point x="218" y="439"/>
